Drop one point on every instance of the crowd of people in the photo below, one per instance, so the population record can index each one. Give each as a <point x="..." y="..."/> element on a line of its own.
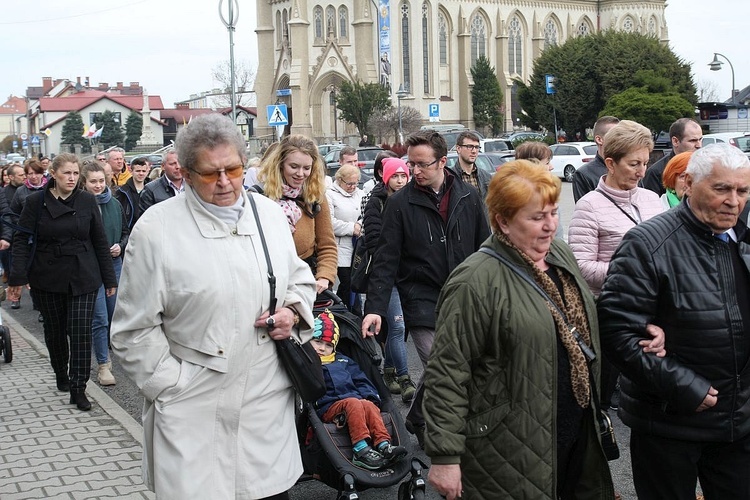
<point x="194" y="276"/>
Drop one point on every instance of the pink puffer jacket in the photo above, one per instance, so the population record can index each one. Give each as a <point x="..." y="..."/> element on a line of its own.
<point x="597" y="227"/>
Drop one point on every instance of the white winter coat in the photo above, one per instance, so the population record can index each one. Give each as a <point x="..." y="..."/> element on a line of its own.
<point x="218" y="417"/>
<point x="345" y="211"/>
<point x="597" y="227"/>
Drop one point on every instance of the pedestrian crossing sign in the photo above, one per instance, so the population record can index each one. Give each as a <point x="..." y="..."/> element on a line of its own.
<point x="277" y="115"/>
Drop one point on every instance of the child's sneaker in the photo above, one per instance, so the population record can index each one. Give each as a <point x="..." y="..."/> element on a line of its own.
<point x="369" y="459"/>
<point x="392" y="454"/>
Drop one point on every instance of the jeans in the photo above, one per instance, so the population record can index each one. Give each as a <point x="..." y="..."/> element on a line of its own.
<point x="103" y="310"/>
<point x="395" y="346"/>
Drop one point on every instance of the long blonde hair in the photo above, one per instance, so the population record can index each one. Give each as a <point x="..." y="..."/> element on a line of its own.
<point x="314" y="188"/>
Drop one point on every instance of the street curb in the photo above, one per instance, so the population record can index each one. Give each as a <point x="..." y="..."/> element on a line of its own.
<point x="105" y="402"/>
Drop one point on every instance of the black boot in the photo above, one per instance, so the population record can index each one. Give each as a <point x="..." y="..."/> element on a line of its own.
<point x="63" y="383"/>
<point x="78" y="398"/>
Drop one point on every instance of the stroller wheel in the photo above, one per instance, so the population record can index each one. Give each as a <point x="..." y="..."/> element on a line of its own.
<point x="7" y="348"/>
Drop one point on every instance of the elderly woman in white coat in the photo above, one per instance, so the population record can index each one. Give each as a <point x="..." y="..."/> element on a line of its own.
<point x="191" y="330"/>
<point x="345" y="202"/>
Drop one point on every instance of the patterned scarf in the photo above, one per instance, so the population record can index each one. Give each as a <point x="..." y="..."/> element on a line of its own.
<point x="576" y="313"/>
<point x="289" y="205"/>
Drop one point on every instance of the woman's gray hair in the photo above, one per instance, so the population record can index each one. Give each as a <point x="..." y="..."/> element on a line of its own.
<point x="207" y="132"/>
<point x="703" y="161"/>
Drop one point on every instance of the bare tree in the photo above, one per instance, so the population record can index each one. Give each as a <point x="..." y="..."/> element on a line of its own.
<point x="385" y="125"/>
<point x="244" y="79"/>
<point x="707" y="91"/>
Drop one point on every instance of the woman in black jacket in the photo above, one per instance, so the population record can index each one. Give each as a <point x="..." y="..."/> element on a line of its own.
<point x="393" y="174"/>
<point x="64" y="267"/>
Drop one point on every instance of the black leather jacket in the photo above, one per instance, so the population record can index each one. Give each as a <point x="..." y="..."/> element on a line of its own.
<point x="587" y="177"/>
<point x="672" y="272"/>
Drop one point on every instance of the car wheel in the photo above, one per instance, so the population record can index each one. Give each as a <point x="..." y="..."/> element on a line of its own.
<point x="568" y="173"/>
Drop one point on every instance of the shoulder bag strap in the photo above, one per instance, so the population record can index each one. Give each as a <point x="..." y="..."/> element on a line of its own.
<point x="618" y="206"/>
<point x="588" y="352"/>
<point x="271" y="277"/>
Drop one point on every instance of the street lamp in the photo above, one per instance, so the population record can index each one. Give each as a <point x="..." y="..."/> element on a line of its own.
<point x="715" y="65"/>
<point x="230" y="22"/>
<point x="332" y="100"/>
<point x="400" y="94"/>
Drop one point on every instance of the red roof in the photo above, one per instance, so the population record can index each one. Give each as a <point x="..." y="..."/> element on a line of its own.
<point x="184" y="114"/>
<point x="81" y="100"/>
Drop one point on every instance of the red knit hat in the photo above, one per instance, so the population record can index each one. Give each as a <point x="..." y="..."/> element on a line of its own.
<point x="392" y="166"/>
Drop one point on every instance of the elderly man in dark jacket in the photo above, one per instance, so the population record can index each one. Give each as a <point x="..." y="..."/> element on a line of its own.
<point x="686" y="270"/>
<point x="429" y="227"/>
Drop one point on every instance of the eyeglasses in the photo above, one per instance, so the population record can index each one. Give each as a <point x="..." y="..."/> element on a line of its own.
<point x="421" y="166"/>
<point x="213" y="176"/>
<point x="470" y="147"/>
<point x="351" y="184"/>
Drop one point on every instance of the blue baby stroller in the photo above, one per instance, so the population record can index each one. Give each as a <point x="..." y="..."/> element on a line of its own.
<point x="326" y="447"/>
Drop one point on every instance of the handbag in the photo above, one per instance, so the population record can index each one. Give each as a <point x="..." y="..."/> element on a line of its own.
<point x="604" y="423"/>
<point x="300" y="360"/>
<point x="360" y="268"/>
<point x="361" y="263"/>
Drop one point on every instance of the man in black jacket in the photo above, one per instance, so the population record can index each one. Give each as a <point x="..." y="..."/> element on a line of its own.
<point x="686" y="135"/>
<point x="587" y="177"/>
<point x="686" y="270"/>
<point x="429" y="227"/>
<point x="166" y="186"/>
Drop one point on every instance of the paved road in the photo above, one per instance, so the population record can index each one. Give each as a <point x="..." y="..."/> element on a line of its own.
<point x="126" y="396"/>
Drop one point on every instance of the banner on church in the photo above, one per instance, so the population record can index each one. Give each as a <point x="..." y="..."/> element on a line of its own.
<point x="384" y="27"/>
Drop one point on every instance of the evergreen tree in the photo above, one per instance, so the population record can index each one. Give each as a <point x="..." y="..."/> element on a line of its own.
<point x="486" y="97"/>
<point x="358" y="101"/>
<point x="133" y="130"/>
<point x="590" y="70"/>
<point x="72" y="131"/>
<point x="112" y="134"/>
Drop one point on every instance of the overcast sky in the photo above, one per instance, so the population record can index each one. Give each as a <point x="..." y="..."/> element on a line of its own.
<point x="171" y="46"/>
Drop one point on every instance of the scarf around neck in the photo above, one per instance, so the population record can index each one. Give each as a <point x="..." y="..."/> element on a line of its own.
<point x="575" y="312"/>
<point x="288" y="203"/>
<point x="36" y="188"/>
<point x="104" y="197"/>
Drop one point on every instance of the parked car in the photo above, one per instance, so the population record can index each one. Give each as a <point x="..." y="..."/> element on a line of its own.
<point x="493" y="145"/>
<point x="483" y="161"/>
<point x="513" y="138"/>
<point x="365" y="161"/>
<point x="500" y="158"/>
<point x="738" y="139"/>
<point x="570" y="156"/>
<point x="324" y="149"/>
<point x="154" y="160"/>
<point x="451" y="134"/>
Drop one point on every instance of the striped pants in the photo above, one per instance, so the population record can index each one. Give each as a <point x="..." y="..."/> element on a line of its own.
<point x="67" y="332"/>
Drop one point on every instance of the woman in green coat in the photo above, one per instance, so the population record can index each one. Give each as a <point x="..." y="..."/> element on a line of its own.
<point x="508" y="400"/>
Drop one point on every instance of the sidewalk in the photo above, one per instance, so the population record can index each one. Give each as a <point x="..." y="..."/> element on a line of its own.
<point x="50" y="449"/>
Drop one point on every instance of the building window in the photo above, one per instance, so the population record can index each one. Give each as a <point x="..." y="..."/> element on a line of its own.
<point x="478" y="38"/>
<point x="443" y="38"/>
<point x="343" y="23"/>
<point x="627" y="25"/>
<point x="330" y="22"/>
<point x="318" y="23"/>
<point x="405" y="49"/>
<point x="550" y="34"/>
<point x="583" y="28"/>
<point x="285" y="24"/>
<point x="278" y="28"/>
<point x="425" y="48"/>
<point x="515" y="48"/>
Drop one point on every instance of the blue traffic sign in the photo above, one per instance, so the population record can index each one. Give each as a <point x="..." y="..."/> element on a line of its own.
<point x="549" y="83"/>
<point x="25" y="144"/>
<point x="15" y="144"/>
<point x="277" y="115"/>
<point x="34" y="139"/>
<point x="434" y="110"/>
<point x="283" y="92"/>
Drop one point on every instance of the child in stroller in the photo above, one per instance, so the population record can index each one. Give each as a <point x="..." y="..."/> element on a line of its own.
<point x="326" y="447"/>
<point x="351" y="397"/>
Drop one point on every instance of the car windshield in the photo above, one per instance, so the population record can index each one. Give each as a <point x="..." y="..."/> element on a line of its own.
<point x="367" y="154"/>
<point x="590" y="150"/>
<point x="495" y="146"/>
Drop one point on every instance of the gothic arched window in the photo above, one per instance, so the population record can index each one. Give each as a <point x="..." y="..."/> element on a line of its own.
<point x="515" y="47"/>
<point x="478" y="38"/>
